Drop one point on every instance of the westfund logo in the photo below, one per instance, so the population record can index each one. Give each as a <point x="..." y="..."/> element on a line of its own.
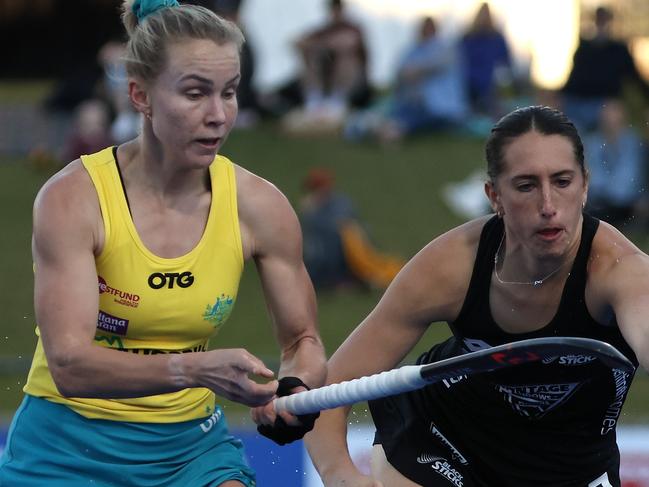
<point x="121" y="297"/>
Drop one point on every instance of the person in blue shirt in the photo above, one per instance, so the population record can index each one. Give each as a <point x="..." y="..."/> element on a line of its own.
<point x="429" y="92"/>
<point x="484" y="51"/>
<point x="615" y="155"/>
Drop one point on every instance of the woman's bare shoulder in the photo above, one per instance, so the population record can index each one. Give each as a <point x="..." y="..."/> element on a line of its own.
<point x="257" y="195"/>
<point x="68" y="203"/>
<point x="609" y="248"/>
<point x="268" y="223"/>
<point x="460" y="242"/>
<point x="70" y="184"/>
<point x="438" y="276"/>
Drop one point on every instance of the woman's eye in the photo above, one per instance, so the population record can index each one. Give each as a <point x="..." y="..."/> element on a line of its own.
<point x="562" y="183"/>
<point x="229" y="94"/>
<point x="524" y="187"/>
<point x="194" y="95"/>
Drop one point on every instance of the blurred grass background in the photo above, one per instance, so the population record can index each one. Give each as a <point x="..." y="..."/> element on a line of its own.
<point x="397" y="191"/>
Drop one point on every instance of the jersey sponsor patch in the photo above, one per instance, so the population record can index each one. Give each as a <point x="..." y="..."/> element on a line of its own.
<point x="209" y="423"/>
<point x="441" y="466"/>
<point x="112" y="324"/>
<point x="158" y="280"/>
<point x="622" y="383"/>
<point x="536" y="400"/>
<point x="120" y="297"/>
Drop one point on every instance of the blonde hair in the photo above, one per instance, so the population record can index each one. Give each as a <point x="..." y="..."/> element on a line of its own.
<point x="148" y="38"/>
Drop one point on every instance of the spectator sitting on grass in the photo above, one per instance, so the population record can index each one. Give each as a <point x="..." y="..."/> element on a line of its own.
<point x="337" y="251"/>
<point x="334" y="73"/>
<point x="428" y="93"/>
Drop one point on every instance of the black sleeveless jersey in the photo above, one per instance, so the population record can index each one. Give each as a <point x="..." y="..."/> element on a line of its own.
<point x="544" y="424"/>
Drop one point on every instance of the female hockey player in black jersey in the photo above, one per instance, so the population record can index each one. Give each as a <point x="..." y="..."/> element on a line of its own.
<point x="538" y="267"/>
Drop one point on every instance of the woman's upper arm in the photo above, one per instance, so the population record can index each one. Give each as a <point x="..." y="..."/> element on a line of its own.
<point x="287" y="287"/>
<point x="629" y="280"/>
<point x="65" y="282"/>
<point x="618" y="278"/>
<point x="272" y="236"/>
<point x="431" y="287"/>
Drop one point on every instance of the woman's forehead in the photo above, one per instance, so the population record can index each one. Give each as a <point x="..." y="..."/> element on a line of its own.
<point x="202" y="55"/>
<point x="533" y="149"/>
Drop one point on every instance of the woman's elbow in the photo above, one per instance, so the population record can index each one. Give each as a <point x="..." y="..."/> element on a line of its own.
<point x="66" y="372"/>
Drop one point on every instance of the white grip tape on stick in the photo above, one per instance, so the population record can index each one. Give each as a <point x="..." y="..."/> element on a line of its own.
<point x="403" y="379"/>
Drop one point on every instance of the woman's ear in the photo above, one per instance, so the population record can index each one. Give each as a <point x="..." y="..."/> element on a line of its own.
<point x="139" y="96"/>
<point x="494" y="197"/>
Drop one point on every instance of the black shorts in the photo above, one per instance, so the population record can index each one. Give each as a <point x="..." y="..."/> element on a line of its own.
<point x="420" y="452"/>
<point x="427" y="454"/>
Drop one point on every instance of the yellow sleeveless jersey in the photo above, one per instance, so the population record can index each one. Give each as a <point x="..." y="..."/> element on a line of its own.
<point x="149" y="304"/>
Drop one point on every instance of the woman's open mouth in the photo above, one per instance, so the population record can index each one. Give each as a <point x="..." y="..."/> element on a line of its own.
<point x="209" y="143"/>
<point x="550" y="234"/>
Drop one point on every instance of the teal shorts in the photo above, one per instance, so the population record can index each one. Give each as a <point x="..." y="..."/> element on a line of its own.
<point x="49" y="444"/>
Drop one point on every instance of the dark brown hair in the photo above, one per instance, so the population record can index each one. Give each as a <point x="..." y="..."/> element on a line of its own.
<point x="542" y="119"/>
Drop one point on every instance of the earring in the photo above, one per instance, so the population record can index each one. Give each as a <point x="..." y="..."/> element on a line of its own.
<point x="147" y="115"/>
<point x="500" y="213"/>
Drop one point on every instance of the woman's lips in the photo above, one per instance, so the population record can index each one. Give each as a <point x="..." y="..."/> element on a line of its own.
<point x="549" y="233"/>
<point x="209" y="143"/>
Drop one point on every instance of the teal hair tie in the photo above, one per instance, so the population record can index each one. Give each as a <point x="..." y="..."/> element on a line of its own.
<point x="142" y="8"/>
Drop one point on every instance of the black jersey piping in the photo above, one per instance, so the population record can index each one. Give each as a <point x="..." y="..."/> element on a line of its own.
<point x="121" y="180"/>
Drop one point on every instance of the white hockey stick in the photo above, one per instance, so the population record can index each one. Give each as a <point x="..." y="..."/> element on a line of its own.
<point x="411" y="377"/>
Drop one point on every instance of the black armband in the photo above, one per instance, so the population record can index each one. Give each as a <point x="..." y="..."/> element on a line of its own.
<point x="280" y="432"/>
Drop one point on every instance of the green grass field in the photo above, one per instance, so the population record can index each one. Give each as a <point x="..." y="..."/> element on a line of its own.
<point x="396" y="189"/>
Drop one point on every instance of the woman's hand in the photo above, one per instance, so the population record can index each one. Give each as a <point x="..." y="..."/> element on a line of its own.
<point x="284" y="427"/>
<point x="228" y="373"/>
<point x="266" y="414"/>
